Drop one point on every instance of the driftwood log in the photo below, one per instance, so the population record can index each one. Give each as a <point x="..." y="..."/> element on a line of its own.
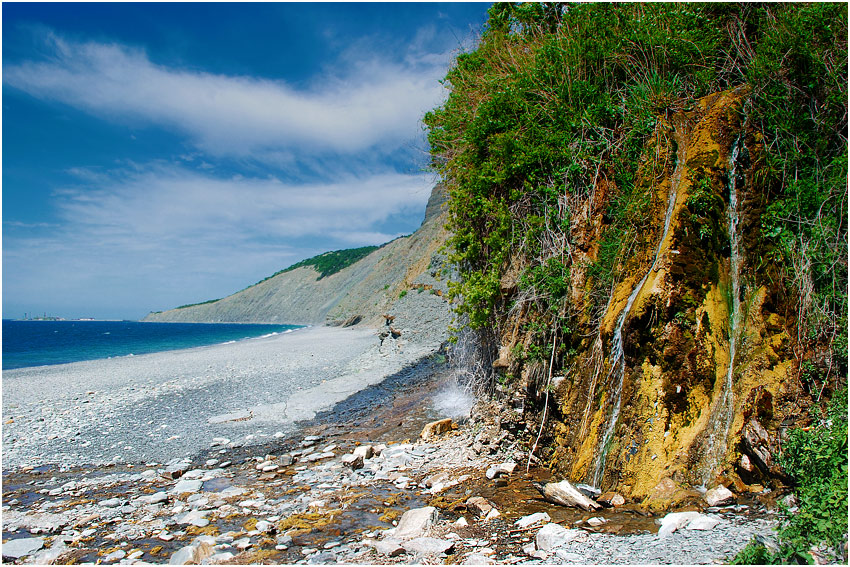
<point x="565" y="494"/>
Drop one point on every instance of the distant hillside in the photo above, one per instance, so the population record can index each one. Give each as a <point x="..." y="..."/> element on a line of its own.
<point x="358" y="284"/>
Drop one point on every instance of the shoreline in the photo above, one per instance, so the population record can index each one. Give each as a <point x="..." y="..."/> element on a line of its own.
<point x="154" y="407"/>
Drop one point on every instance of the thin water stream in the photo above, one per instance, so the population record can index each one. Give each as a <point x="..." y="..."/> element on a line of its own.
<point x="721" y="416"/>
<point x="617" y="370"/>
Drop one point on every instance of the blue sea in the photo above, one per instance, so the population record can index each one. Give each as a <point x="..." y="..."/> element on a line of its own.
<point x="40" y="343"/>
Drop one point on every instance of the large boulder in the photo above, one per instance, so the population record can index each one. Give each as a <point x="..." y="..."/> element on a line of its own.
<point x="416" y="523"/>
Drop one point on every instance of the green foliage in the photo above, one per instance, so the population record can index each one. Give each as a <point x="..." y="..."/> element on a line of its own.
<point x="546" y="106"/>
<point x="799" y="74"/>
<point x="816" y="458"/>
<point x="196" y="304"/>
<point x="402" y="294"/>
<point x="558" y="98"/>
<point x="707" y="209"/>
<point x="330" y="262"/>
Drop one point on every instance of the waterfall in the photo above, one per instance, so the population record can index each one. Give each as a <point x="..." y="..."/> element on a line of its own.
<point x="469" y="377"/>
<point x="721" y="418"/>
<point x="617" y="358"/>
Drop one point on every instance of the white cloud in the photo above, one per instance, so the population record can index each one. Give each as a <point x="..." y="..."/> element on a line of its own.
<point x="371" y="102"/>
<point x="162" y="235"/>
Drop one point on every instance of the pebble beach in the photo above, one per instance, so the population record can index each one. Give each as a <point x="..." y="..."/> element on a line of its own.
<point x="308" y="447"/>
<point x="160" y="406"/>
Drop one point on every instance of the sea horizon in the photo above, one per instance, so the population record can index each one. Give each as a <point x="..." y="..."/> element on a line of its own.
<point x="47" y="342"/>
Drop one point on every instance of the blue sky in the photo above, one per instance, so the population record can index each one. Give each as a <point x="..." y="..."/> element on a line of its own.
<point x="162" y="154"/>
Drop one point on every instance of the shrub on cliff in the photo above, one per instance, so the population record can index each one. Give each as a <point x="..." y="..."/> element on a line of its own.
<point x="816" y="458"/>
<point x="559" y="101"/>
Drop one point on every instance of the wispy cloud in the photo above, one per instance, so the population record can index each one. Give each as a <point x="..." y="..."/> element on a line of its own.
<point x="370" y="102"/>
<point x="191" y="235"/>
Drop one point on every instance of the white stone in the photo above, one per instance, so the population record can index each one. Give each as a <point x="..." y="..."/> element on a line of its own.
<point x="390" y="547"/>
<point x="366" y="451"/>
<point x="553" y="535"/>
<point x="703" y="522"/>
<point x="264" y="526"/>
<point x="416" y="523"/>
<point x="353" y="461"/>
<point x="427" y="545"/>
<point x="719" y="496"/>
<point x="530" y="520"/>
<point x="672" y="522"/>
<point x="17" y="548"/>
<point x="187" y="486"/>
<point x="115" y="555"/>
<point x="155" y="498"/>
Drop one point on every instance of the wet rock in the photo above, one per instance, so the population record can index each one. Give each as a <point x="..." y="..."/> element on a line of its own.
<point x="611" y="500"/>
<point x="416" y="523"/>
<point x="17" y="548"/>
<point x="436" y="428"/>
<point x="565" y="494"/>
<point x="185" y="486"/>
<point x="719" y="496"/>
<point x="500" y="470"/>
<point x="110" y="503"/>
<point x="530" y="520"/>
<point x="596" y="521"/>
<point x="176" y="470"/>
<point x="479" y="506"/>
<point x="553" y="535"/>
<point x="428" y="546"/>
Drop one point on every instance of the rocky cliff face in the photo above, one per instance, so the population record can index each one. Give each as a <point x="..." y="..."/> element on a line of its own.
<point x="687" y="374"/>
<point x="360" y="293"/>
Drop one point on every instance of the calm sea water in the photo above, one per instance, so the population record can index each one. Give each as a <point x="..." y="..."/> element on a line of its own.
<point x="39" y="343"/>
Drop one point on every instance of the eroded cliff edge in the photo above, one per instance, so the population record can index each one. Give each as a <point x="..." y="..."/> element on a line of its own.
<point x="400" y="272"/>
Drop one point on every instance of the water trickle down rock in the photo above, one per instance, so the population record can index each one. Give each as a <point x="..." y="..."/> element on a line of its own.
<point x="723" y="410"/>
<point x="617" y="357"/>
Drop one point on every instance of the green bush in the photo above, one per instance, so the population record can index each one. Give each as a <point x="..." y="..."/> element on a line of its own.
<point x="329" y="263"/>
<point x="816" y="459"/>
<point x="558" y="96"/>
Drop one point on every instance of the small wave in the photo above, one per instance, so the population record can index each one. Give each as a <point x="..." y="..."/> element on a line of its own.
<point x="288" y="331"/>
<point x="228" y="342"/>
<point x="268" y="335"/>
